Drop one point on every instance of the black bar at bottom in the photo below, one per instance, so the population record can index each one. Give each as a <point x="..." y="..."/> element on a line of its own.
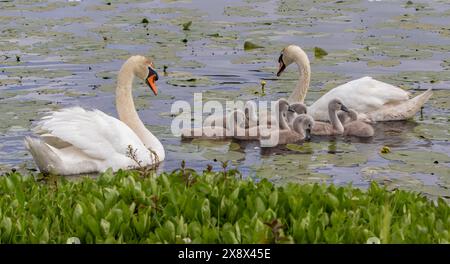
<point x="224" y="253"/>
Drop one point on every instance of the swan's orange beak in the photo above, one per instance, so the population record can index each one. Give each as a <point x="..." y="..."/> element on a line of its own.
<point x="151" y="83"/>
<point x="151" y="79"/>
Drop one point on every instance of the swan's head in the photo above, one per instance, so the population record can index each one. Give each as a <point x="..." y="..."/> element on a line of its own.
<point x="303" y="124"/>
<point x="144" y="69"/>
<point x="336" y="105"/>
<point x="288" y="56"/>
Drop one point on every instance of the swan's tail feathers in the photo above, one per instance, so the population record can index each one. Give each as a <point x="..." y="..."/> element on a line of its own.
<point x="43" y="155"/>
<point x="402" y="111"/>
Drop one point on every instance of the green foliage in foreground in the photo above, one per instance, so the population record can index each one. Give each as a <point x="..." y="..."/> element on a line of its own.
<point x="215" y="207"/>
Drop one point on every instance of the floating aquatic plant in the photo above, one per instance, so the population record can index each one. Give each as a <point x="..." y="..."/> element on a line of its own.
<point x="263" y="84"/>
<point x="187" y="25"/>
<point x="385" y="149"/>
<point x="319" y="52"/>
<point x="250" y="45"/>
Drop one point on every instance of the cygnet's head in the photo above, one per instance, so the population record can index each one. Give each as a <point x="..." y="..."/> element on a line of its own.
<point x="336" y="105"/>
<point x="303" y="124"/>
<point x="345" y="117"/>
<point x="294" y="110"/>
<point x="298" y="108"/>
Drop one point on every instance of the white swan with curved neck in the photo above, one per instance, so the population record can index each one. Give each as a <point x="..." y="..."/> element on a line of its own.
<point x="75" y="140"/>
<point x="378" y="101"/>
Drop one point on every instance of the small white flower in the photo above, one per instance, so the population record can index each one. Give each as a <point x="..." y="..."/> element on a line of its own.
<point x="73" y="240"/>
<point x="373" y="240"/>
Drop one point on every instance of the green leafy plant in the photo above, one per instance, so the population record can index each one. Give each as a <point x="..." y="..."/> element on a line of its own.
<point x="212" y="207"/>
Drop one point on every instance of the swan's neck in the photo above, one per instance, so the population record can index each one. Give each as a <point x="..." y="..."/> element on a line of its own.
<point x="304" y="70"/>
<point x="282" y="118"/>
<point x="337" y="125"/>
<point x="127" y="111"/>
<point x="250" y="108"/>
<point x="290" y="116"/>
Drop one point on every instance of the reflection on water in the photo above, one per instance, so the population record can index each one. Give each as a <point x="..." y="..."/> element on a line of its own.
<point x="394" y="133"/>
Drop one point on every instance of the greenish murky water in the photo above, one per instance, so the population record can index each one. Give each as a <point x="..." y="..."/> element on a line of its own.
<point x="59" y="53"/>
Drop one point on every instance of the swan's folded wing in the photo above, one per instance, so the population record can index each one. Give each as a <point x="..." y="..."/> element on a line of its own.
<point x="364" y="95"/>
<point x="373" y="90"/>
<point x="93" y="132"/>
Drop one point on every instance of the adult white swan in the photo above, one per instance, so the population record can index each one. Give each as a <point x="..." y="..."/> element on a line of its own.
<point x="75" y="140"/>
<point x="379" y="101"/>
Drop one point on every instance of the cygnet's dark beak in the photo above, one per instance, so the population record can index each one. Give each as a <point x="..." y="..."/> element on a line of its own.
<point x="308" y="134"/>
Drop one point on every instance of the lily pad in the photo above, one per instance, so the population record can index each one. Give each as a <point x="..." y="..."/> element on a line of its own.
<point x="243" y="11"/>
<point x="21" y="114"/>
<point x="220" y="156"/>
<point x="383" y="63"/>
<point x="248" y="45"/>
<point x="197" y="81"/>
<point x="417" y="157"/>
<point x="342" y="159"/>
<point x="435" y="169"/>
<point x="304" y="149"/>
<point x="433" y="131"/>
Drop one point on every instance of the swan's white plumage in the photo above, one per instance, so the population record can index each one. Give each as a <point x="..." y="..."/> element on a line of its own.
<point x="92" y="131"/>
<point x="75" y="140"/>
<point x="373" y="100"/>
<point x="364" y="95"/>
<point x="92" y="137"/>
